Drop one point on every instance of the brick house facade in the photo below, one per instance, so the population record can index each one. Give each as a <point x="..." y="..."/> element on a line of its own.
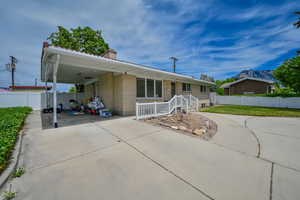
<point x="248" y="86"/>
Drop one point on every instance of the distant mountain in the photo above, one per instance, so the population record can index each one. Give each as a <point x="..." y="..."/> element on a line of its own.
<point x="262" y="74"/>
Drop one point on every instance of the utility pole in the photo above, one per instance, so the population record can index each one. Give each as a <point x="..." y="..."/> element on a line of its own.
<point x="174" y="63"/>
<point x="12" y="68"/>
<point x="35" y="82"/>
<point x="13" y="62"/>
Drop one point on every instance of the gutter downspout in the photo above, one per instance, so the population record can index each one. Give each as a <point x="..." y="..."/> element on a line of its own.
<point x="55" y="67"/>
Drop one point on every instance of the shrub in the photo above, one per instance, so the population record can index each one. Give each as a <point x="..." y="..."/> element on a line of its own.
<point x="19" y="172"/>
<point x="11" y="122"/>
<point x="220" y="91"/>
<point x="283" y="92"/>
<point x="9" y="195"/>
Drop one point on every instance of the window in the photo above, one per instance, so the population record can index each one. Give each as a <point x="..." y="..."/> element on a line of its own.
<point x="140" y="87"/>
<point x="158" y="86"/>
<point x="148" y="88"/>
<point x="202" y="88"/>
<point x="186" y="87"/>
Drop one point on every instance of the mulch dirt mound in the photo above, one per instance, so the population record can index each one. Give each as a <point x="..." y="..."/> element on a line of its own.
<point x="191" y="124"/>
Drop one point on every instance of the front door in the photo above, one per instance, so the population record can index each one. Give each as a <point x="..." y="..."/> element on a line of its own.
<point x="173" y="89"/>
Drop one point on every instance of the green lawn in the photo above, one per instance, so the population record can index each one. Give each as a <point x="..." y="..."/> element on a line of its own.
<point x="253" y="110"/>
<point x="11" y="122"/>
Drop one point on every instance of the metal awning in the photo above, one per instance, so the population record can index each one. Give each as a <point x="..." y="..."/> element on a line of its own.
<point x="78" y="67"/>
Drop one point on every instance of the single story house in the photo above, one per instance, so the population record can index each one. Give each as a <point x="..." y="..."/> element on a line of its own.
<point x="248" y="85"/>
<point x="119" y="83"/>
<point x="29" y="88"/>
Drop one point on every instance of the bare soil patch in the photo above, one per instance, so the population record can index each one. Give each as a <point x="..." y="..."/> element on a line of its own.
<point x="191" y="124"/>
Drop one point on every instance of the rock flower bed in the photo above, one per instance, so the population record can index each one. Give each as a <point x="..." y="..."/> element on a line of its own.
<point x="191" y="123"/>
<point x="11" y="122"/>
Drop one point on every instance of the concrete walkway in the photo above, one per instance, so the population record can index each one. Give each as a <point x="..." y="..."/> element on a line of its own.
<point x="128" y="159"/>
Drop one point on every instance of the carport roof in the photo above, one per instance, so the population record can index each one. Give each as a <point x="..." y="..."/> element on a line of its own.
<point x="78" y="67"/>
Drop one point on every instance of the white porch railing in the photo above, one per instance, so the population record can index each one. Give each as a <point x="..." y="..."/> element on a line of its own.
<point x="193" y="102"/>
<point x="185" y="102"/>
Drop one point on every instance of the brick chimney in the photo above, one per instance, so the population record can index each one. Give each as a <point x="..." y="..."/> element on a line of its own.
<point x="46" y="44"/>
<point x="110" y="53"/>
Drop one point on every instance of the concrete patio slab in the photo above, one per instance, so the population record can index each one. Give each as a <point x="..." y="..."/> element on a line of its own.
<point x="221" y="173"/>
<point x="116" y="173"/>
<point x="286" y="184"/>
<point x="66" y="118"/>
<point x="128" y="128"/>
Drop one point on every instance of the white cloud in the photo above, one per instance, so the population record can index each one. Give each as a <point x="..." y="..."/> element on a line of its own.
<point x="143" y="33"/>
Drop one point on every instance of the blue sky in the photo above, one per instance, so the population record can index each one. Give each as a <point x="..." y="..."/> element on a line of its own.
<point x="216" y="37"/>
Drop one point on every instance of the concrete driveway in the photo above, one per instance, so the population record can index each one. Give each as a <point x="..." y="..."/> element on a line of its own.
<point x="249" y="158"/>
<point x="278" y="142"/>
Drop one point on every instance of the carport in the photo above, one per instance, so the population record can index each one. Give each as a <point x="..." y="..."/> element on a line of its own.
<point x="60" y="65"/>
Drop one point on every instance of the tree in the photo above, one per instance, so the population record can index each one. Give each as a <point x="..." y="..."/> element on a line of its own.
<point x="297" y="24"/>
<point x="78" y="88"/>
<point x="72" y="89"/>
<point x="289" y="73"/>
<point x="79" y="39"/>
<point x="221" y="82"/>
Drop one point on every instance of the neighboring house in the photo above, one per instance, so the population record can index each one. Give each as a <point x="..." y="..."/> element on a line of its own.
<point x="119" y="83"/>
<point x="29" y="88"/>
<point x="248" y="85"/>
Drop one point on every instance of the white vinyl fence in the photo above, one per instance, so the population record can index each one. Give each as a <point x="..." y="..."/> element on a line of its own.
<point x="62" y="98"/>
<point x="289" y="102"/>
<point x="37" y="100"/>
<point x="14" y="99"/>
<point x="146" y="110"/>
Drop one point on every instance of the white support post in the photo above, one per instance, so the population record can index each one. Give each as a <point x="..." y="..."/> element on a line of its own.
<point x="46" y="77"/>
<point x="46" y="95"/>
<point x="155" y="108"/>
<point x="55" y="67"/>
